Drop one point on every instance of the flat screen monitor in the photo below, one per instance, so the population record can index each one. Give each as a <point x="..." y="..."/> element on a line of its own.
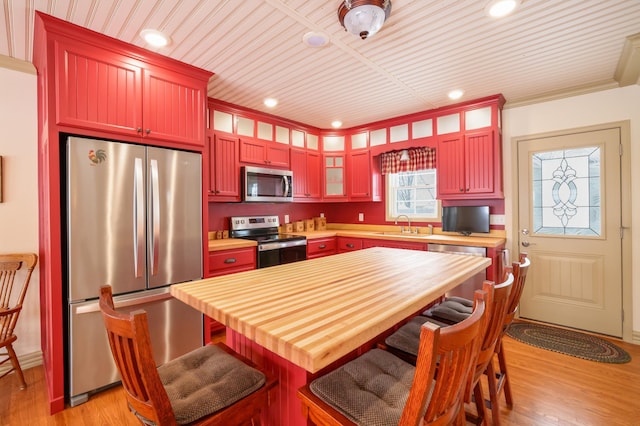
<point x="465" y="219"/>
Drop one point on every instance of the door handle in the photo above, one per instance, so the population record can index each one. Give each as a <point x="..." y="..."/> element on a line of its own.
<point x="138" y="218"/>
<point x="155" y="217"/>
<point x="527" y="244"/>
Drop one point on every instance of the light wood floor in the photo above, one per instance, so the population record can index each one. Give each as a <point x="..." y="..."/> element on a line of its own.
<point x="548" y="388"/>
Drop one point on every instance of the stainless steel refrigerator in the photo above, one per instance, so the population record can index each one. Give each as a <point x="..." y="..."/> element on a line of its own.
<point x="133" y="221"/>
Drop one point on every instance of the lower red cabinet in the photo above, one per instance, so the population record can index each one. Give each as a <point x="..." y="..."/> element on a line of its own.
<point x="321" y="247"/>
<point x="225" y="262"/>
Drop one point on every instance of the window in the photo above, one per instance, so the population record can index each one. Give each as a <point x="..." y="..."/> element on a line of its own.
<point x="413" y="194"/>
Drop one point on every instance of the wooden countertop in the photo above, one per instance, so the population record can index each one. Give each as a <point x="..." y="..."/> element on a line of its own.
<point x="473" y="241"/>
<point x="314" y="312"/>
<point x="230" y="243"/>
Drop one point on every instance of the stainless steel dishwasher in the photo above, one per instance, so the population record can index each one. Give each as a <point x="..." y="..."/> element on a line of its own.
<point x="467" y="288"/>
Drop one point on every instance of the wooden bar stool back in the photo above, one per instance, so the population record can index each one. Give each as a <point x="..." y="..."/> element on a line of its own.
<point x="15" y="274"/>
<point x="211" y="385"/>
<point x="431" y="393"/>
<point x="501" y="377"/>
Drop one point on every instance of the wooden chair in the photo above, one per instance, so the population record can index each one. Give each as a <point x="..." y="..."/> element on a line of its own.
<point x="498" y="380"/>
<point x="211" y="385"/>
<point x="501" y="377"/>
<point x="12" y="293"/>
<point x="399" y="392"/>
<point x="404" y="342"/>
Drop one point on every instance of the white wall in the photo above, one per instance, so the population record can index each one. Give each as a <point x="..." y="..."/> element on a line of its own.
<point x="19" y="211"/>
<point x="580" y="111"/>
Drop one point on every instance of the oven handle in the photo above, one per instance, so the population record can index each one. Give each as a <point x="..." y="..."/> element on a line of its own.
<point x="281" y="245"/>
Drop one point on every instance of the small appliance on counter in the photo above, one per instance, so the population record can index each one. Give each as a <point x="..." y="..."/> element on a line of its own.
<point x="273" y="248"/>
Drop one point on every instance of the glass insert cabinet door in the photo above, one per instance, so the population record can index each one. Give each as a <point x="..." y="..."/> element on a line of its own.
<point x="566" y="192"/>
<point x="334" y="175"/>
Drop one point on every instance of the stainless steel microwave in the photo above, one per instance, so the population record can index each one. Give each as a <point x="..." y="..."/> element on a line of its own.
<point x="267" y="185"/>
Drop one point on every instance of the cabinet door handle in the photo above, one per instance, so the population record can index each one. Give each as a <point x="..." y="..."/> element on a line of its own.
<point x="322" y="246"/>
<point x="349" y="245"/>
<point x="139" y="129"/>
<point x="230" y="260"/>
<point x="148" y="131"/>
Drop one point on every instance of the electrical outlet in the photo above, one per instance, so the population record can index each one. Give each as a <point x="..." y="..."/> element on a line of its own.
<point x="286" y="218"/>
<point x="496" y="219"/>
<point x="361" y="217"/>
<point x="321" y="214"/>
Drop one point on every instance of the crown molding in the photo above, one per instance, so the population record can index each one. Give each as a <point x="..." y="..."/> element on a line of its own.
<point x="17" y="65"/>
<point x="628" y="69"/>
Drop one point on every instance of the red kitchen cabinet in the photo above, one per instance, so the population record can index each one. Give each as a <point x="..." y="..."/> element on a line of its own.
<point x="97" y="86"/>
<point x="225" y="262"/>
<point x="305" y="166"/>
<point x="359" y="174"/>
<point x="229" y="261"/>
<point x="319" y="247"/>
<point x="224" y="168"/>
<point x="468" y="166"/>
<point x="346" y="244"/>
<point x="334" y="177"/>
<point x="108" y="91"/>
<point x="264" y="153"/>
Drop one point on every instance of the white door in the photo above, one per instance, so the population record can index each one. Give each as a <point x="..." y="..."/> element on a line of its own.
<point x="569" y="214"/>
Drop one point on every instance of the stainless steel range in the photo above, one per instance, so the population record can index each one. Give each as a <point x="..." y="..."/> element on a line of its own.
<point x="273" y="248"/>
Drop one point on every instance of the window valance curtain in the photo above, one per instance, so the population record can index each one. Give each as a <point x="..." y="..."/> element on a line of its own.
<point x="419" y="159"/>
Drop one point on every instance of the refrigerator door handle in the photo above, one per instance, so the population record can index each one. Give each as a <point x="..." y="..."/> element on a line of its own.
<point x="155" y="217"/>
<point x="95" y="307"/>
<point x="138" y="218"/>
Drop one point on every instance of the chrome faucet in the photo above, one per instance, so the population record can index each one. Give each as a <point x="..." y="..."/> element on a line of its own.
<point x="408" y="223"/>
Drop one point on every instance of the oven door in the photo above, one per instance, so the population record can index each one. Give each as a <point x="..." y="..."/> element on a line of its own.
<point x="281" y="254"/>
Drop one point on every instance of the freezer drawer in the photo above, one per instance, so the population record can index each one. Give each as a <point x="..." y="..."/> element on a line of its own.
<point x="175" y="329"/>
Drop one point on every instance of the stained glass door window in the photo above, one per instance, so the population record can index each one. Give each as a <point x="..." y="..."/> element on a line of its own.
<point x="567" y="192"/>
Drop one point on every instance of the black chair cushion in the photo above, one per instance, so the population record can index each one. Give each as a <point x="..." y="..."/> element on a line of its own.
<point x="371" y="390"/>
<point x="206" y="380"/>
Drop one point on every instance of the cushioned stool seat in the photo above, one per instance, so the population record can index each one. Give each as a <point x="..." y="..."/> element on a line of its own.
<point x="407" y="337"/>
<point x="360" y="391"/>
<point x="206" y="380"/>
<point x="452" y="310"/>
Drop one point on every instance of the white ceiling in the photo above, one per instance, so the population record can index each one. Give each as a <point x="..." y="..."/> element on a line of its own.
<point x="426" y="48"/>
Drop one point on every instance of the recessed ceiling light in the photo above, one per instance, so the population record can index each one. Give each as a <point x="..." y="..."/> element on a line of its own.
<point x="155" y="38"/>
<point x="315" y="39"/>
<point x="336" y="124"/>
<point x="456" y="94"/>
<point x="270" y="102"/>
<point x="500" y="8"/>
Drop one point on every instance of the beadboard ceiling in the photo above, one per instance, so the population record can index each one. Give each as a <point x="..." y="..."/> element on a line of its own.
<point x="546" y="49"/>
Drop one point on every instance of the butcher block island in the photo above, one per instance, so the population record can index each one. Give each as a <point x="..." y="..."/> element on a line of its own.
<point x="307" y="317"/>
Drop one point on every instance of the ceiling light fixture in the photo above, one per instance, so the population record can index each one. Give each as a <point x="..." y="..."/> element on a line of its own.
<point x="500" y="8"/>
<point x="270" y="102"/>
<point x="336" y="124"/>
<point x="155" y="38"/>
<point x="363" y="18"/>
<point x="315" y="39"/>
<point x="456" y="94"/>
